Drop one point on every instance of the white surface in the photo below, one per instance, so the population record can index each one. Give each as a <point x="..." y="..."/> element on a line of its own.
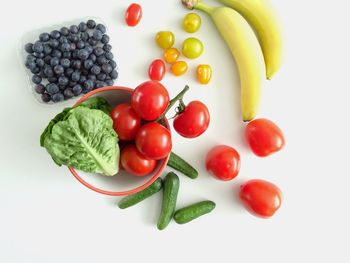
<point x="47" y="216"/>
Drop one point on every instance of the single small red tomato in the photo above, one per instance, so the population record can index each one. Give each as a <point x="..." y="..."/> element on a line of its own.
<point x="126" y="122"/>
<point x="157" y="70"/>
<point x="135" y="162"/>
<point x="133" y="14"/>
<point x="264" y="137"/>
<point x="150" y="99"/>
<point x="261" y="198"/>
<point x="193" y="121"/>
<point x="154" y="141"/>
<point x="223" y="162"/>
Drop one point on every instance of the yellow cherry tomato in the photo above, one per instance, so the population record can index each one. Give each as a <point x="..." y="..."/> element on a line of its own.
<point x="191" y="22"/>
<point x="171" y="55"/>
<point x="165" y="39"/>
<point x="179" y="68"/>
<point x="204" y="73"/>
<point x="192" y="47"/>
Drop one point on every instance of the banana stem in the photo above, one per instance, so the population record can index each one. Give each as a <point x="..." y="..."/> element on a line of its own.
<point x="197" y="4"/>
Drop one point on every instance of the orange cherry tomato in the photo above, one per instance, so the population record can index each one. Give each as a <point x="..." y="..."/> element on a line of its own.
<point x="179" y="68"/>
<point x="171" y="55"/>
<point x="204" y="73"/>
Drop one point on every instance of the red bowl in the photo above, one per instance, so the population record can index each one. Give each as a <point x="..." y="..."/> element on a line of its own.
<point x="116" y="95"/>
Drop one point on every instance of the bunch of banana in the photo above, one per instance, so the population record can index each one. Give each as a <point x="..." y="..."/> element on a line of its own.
<point x="255" y="57"/>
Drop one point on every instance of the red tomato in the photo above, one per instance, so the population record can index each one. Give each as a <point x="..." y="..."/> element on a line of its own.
<point x="135" y="162"/>
<point x="157" y="70"/>
<point x="126" y="122"/>
<point x="264" y="137"/>
<point x="223" y="162"/>
<point x="193" y="121"/>
<point x="154" y="141"/>
<point x="150" y="100"/>
<point x="133" y="14"/>
<point x="261" y="198"/>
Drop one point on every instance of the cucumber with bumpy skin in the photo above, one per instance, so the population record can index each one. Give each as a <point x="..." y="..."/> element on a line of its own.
<point x="170" y="191"/>
<point x="182" y="166"/>
<point x="189" y="213"/>
<point x="133" y="199"/>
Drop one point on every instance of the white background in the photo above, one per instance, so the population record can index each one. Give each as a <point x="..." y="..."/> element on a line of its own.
<point x="47" y="216"/>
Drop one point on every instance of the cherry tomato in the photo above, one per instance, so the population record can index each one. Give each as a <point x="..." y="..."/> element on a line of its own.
<point x="171" y="55"/>
<point x="193" y="121"/>
<point x="264" y="137"/>
<point x="133" y="14"/>
<point x="154" y="141"/>
<point x="165" y="39"/>
<point x="150" y="99"/>
<point x="179" y="68"/>
<point x="191" y="22"/>
<point x="192" y="47"/>
<point x="223" y="162"/>
<point x="204" y="73"/>
<point x="126" y="122"/>
<point x="157" y="70"/>
<point x="135" y="162"/>
<point x="261" y="198"/>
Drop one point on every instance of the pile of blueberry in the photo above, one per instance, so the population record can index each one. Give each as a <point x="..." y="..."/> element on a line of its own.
<point x="71" y="61"/>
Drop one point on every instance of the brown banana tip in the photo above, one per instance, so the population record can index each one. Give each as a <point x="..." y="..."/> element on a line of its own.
<point x="189" y="3"/>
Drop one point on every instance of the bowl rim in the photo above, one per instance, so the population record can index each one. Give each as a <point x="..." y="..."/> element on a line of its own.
<point x="126" y="192"/>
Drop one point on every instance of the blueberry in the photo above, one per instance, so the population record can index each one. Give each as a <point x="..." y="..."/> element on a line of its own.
<point x="76" y="64"/>
<point x="75" y="76"/>
<point x="75" y="54"/>
<point x="30" y="65"/>
<point x="88" y="64"/>
<point x="95" y="70"/>
<point x="47" y="49"/>
<point x="74" y="29"/>
<point x="109" y="55"/>
<point x="105" y="39"/>
<point x="65" y="47"/>
<point x="84" y="72"/>
<point x="44" y="37"/>
<point x="108" y="77"/>
<point x="48" y="71"/>
<point x="65" y="62"/>
<point x="72" y="83"/>
<point x="83" y="54"/>
<point x="92" y="57"/>
<point x="36" y="79"/>
<point x="88" y="84"/>
<point x="69" y="72"/>
<point x="68" y="93"/>
<point x="101" y="76"/>
<point x="39" y="55"/>
<point x="101" y="27"/>
<point x="84" y="36"/>
<point x="74" y="38"/>
<point x="114" y="74"/>
<point x="97" y="35"/>
<point x="106" y="68"/>
<point x="82" y="27"/>
<point x="52" y="80"/>
<point x="82" y="79"/>
<point x="46" y="97"/>
<point x="77" y="89"/>
<point x="56" y="53"/>
<point x="100" y="84"/>
<point x="80" y="44"/>
<point x="40" y="89"/>
<point x="29" y="48"/>
<point x="58" y="97"/>
<point x="55" y="34"/>
<point x="107" y="47"/>
<point x="63" y="80"/>
<point x="89" y="48"/>
<point x="98" y="51"/>
<point x="91" y="24"/>
<point x="109" y="82"/>
<point x="52" y="88"/>
<point x="92" y="42"/>
<point x="64" y="31"/>
<point x="47" y="59"/>
<point x="63" y="39"/>
<point x="40" y="62"/>
<point x="31" y="58"/>
<point x="92" y="77"/>
<point x="35" y="70"/>
<point x="38" y="47"/>
<point x="67" y="54"/>
<point x="42" y="74"/>
<point x="54" y="61"/>
<point x="101" y="60"/>
<point x="54" y="43"/>
<point x="58" y="70"/>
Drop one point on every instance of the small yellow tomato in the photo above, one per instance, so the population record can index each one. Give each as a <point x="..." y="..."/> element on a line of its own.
<point x="165" y="39"/>
<point x="191" y="22"/>
<point x="204" y="73"/>
<point x="192" y="47"/>
<point x="171" y="55"/>
<point x="179" y="68"/>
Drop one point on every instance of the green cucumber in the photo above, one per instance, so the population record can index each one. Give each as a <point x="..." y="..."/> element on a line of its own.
<point x="133" y="199"/>
<point x="189" y="213"/>
<point x="171" y="185"/>
<point x="182" y="166"/>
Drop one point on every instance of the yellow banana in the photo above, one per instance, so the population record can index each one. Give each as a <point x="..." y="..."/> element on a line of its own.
<point x="246" y="50"/>
<point x="263" y="20"/>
